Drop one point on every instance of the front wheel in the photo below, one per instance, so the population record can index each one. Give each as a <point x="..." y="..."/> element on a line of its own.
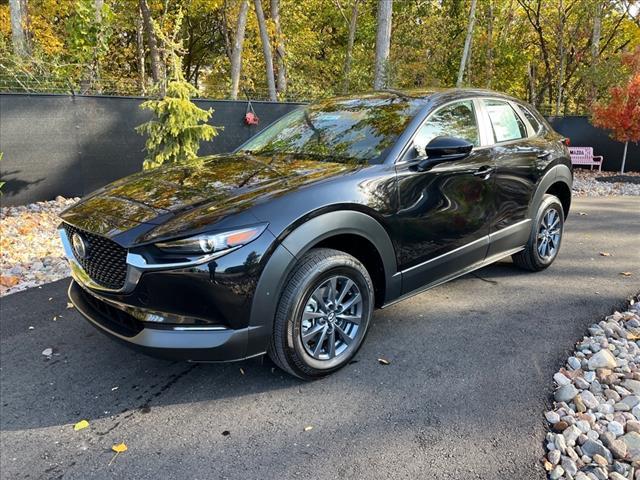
<point x="546" y="236"/>
<point x="323" y="314"/>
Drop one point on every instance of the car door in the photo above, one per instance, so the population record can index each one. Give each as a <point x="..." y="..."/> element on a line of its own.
<point x="444" y="213"/>
<point x="516" y="150"/>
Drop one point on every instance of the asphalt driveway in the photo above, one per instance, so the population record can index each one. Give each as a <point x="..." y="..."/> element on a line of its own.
<point x="470" y="375"/>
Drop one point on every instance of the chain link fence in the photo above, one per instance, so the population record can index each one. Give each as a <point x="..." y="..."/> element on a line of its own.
<point x="27" y="83"/>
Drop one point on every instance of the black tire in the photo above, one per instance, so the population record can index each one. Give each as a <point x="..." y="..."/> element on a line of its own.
<point x="316" y="268"/>
<point x="531" y="258"/>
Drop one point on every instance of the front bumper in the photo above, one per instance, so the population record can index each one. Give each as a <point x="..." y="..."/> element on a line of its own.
<point x="193" y="343"/>
<point x="199" y="312"/>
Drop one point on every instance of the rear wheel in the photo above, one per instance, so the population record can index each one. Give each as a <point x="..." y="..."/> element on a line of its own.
<point x="546" y="236"/>
<point x="323" y="314"/>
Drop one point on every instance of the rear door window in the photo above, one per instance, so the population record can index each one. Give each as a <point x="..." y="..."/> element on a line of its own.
<point x="505" y="123"/>
<point x="533" y="121"/>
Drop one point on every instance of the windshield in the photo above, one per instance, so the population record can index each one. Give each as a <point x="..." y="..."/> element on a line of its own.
<point x="361" y="129"/>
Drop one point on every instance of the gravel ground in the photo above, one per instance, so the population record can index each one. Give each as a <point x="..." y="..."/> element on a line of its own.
<point x="595" y="423"/>
<point x="591" y="183"/>
<point x="30" y="250"/>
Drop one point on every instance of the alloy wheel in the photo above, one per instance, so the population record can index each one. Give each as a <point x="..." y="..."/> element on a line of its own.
<point x="549" y="232"/>
<point x="332" y="318"/>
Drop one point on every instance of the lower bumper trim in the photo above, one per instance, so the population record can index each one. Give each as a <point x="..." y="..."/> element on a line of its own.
<point x="195" y="344"/>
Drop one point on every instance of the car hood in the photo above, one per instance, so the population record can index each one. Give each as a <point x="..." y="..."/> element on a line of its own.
<point x="197" y="193"/>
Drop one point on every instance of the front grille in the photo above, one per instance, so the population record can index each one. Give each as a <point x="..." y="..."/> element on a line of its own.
<point x="109" y="317"/>
<point x="105" y="261"/>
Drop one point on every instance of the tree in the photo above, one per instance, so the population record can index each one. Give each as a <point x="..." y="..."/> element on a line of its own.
<point x="236" y="54"/>
<point x="467" y="43"/>
<point x="88" y="37"/>
<point x="18" y="12"/>
<point x="266" y="50"/>
<point x="154" y="53"/>
<point x="178" y="126"/>
<point x="142" y="80"/>
<point x="383" y="43"/>
<point x="353" y="22"/>
<point x="281" y="79"/>
<point x="621" y="113"/>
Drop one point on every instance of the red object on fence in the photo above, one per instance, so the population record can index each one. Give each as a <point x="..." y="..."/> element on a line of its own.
<point x="250" y="117"/>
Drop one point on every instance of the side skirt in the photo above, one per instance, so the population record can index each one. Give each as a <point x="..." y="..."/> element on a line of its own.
<point x="513" y="235"/>
<point x="476" y="266"/>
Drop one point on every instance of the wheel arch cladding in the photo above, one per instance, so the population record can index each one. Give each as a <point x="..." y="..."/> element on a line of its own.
<point x="557" y="181"/>
<point x="324" y="230"/>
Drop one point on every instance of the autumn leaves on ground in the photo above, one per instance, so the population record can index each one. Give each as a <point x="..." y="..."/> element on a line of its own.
<point x="30" y="249"/>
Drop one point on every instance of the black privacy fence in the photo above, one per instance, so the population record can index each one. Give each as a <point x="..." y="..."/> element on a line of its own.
<point x="71" y="145"/>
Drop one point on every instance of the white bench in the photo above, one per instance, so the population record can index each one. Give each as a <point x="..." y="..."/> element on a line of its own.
<point x="584" y="156"/>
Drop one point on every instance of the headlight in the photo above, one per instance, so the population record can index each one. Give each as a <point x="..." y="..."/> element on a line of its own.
<point x="214" y="242"/>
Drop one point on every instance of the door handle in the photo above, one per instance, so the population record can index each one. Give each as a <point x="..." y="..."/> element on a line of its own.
<point x="543" y="155"/>
<point x="484" y="171"/>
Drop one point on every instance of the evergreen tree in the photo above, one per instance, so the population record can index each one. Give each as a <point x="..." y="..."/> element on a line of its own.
<point x="178" y="126"/>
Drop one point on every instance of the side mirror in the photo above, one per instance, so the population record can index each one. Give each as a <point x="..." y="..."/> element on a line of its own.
<point x="444" y="149"/>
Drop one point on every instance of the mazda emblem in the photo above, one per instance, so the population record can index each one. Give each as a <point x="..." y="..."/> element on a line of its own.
<point x="79" y="246"/>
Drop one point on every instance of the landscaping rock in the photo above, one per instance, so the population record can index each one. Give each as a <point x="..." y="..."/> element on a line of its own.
<point x="566" y="393"/>
<point x="30" y="250"/>
<point x="602" y="359"/>
<point x="596" y="415"/>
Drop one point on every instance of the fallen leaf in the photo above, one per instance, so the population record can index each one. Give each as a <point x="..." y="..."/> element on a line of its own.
<point x="80" y="425"/>
<point x="9" y="280"/>
<point x="47" y="352"/>
<point x="226" y="433"/>
<point x="70" y="305"/>
<point x="308" y="427"/>
<point x="605" y="254"/>
<point x="626" y="274"/>
<point x="119" y="447"/>
<point x="383" y="361"/>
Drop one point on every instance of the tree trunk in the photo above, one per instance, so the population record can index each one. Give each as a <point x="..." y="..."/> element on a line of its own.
<point x="154" y="54"/>
<point x="561" y="55"/>
<point x="18" y="24"/>
<point x="95" y="68"/>
<point x="489" y="43"/>
<point x="266" y="49"/>
<point x="236" y="53"/>
<point x="383" y="43"/>
<point x="98" y="4"/>
<point x="595" y="46"/>
<point x="140" y="54"/>
<point x="280" y="51"/>
<point x="533" y="99"/>
<point x="624" y="157"/>
<point x="352" y="37"/>
<point x="467" y="43"/>
<point x="595" y="36"/>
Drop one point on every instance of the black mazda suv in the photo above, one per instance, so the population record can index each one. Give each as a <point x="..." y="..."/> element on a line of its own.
<point x="287" y="245"/>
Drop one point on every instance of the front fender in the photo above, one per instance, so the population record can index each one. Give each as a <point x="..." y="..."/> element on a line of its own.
<point x="296" y="244"/>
